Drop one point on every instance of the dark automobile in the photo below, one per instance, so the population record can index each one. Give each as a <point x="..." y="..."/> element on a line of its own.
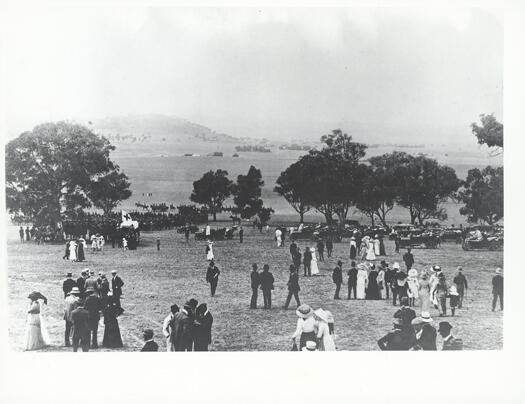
<point x="193" y="229"/>
<point x="452" y="234"/>
<point x="396" y="229"/>
<point x="303" y="233"/>
<point x="484" y="238"/>
<point x="326" y="232"/>
<point x="418" y="239"/>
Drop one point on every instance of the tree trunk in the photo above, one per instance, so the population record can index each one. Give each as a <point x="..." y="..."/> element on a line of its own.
<point x="214" y="215"/>
<point x="301" y="214"/>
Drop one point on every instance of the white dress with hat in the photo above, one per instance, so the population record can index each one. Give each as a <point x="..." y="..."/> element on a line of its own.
<point x="72" y="251"/>
<point x="326" y="342"/>
<point x="413" y="284"/>
<point x="209" y="254"/>
<point x="362" y="277"/>
<point x="313" y="265"/>
<point x="370" y="254"/>
<point x="376" y="246"/>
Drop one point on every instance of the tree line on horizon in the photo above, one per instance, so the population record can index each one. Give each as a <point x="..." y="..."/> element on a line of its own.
<point x="59" y="169"/>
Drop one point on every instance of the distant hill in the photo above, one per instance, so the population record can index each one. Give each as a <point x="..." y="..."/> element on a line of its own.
<point x="159" y="128"/>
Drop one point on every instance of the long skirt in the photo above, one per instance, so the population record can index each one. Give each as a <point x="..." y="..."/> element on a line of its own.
<point x="424" y="297"/>
<point x="112" y="338"/>
<point x="353" y="252"/>
<point x="306" y="336"/>
<point x="34" y="338"/>
<point x="360" y="289"/>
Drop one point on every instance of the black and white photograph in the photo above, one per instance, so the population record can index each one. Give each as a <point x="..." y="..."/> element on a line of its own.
<point x="251" y="179"/>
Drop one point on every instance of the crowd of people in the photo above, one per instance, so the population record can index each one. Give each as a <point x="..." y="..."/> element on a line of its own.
<point x="90" y="298"/>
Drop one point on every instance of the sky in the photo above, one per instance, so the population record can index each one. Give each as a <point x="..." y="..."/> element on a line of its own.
<point x="274" y="72"/>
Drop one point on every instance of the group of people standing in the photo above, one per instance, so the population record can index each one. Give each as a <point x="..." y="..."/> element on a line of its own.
<point x="315" y="330"/>
<point x="189" y="328"/>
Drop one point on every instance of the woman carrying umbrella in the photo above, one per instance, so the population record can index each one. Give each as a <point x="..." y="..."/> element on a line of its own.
<point x="36" y="333"/>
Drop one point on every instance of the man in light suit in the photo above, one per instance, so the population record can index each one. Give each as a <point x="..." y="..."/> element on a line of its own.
<point x="70" y="304"/>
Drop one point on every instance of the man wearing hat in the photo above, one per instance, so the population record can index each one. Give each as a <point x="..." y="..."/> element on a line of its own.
<point x="94" y="307"/>
<point x="497" y="289"/>
<point x="92" y="282"/>
<point x="212" y="277"/>
<point x="255" y="282"/>
<point x="149" y="345"/>
<point x="81" y="281"/>
<point x="181" y="326"/>
<point x="307" y="262"/>
<point x="70" y="304"/>
<point x="352" y="280"/>
<point x="337" y="277"/>
<point x="293" y="287"/>
<point x="461" y="286"/>
<point x="397" y="339"/>
<point x="388" y="278"/>
<point x="166" y="326"/>
<point x="408" y="257"/>
<point x="329" y="246"/>
<point x="449" y="342"/>
<point x="68" y="284"/>
<point x="80" y="320"/>
<point x="405" y="313"/>
<point x="116" y="286"/>
<point x="267" y="281"/>
<point x="425" y="333"/>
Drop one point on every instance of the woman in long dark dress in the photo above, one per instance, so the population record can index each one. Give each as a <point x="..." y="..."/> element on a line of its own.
<point x="202" y="328"/>
<point x="112" y="338"/>
<point x="372" y="292"/>
<point x="80" y="250"/>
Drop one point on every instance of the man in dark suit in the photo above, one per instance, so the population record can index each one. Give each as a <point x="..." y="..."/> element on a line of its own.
<point x="461" y="286"/>
<point x="307" y="261"/>
<point x="337" y="277"/>
<point x="116" y="286"/>
<point x="409" y="259"/>
<point x="182" y="329"/>
<point x="293" y="287"/>
<point x="267" y="280"/>
<point x="449" y="342"/>
<point x="425" y="333"/>
<point x="255" y="281"/>
<point x="149" y="345"/>
<point x="405" y="313"/>
<point x="352" y="280"/>
<point x="297" y="258"/>
<point x="80" y="320"/>
<point x="81" y="281"/>
<point x="320" y="249"/>
<point x="94" y="307"/>
<point x="397" y="339"/>
<point x="388" y="278"/>
<point x="497" y="289"/>
<point x="212" y="277"/>
<point x="293" y="249"/>
<point x="68" y="284"/>
<point x="202" y="325"/>
<point x="329" y="246"/>
<point x="241" y="235"/>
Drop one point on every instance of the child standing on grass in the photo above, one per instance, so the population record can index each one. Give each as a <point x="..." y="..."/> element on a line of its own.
<point x="454" y="298"/>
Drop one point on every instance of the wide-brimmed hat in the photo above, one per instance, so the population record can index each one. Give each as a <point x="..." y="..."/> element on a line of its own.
<point x="310" y="346"/>
<point x="329" y="316"/>
<point x="90" y="289"/>
<point x="35" y="295"/>
<point x="412" y="272"/>
<point x="74" y="291"/>
<point x="396" y="265"/>
<point x="460" y="268"/>
<point x="304" y="311"/>
<point x="425" y="316"/>
<point x="321" y="314"/>
<point x="436" y="268"/>
<point x="453" y="291"/>
<point x="499" y="271"/>
<point x="114" y="271"/>
<point x="417" y="321"/>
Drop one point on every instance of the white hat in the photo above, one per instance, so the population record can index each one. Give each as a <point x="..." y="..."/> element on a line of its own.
<point x="396" y="265"/>
<point x="453" y="291"/>
<point x="321" y="314"/>
<point x="310" y="346"/>
<point x="499" y="271"/>
<point x="425" y="316"/>
<point x="412" y="273"/>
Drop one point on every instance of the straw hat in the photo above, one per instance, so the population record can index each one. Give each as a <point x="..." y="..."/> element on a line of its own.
<point x="304" y="311"/>
<point x="74" y="291"/>
<point x="425" y="316"/>
<point x="310" y="346"/>
<point x="412" y="273"/>
<point x="499" y="271"/>
<point x="321" y="314"/>
<point x="453" y="291"/>
<point x="396" y="265"/>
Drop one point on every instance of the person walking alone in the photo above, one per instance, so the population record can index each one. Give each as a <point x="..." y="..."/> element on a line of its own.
<point x="266" y="279"/>
<point x="293" y="287"/>
<point x="255" y="282"/>
<point x="307" y="261"/>
<point x="497" y="289"/>
<point x="329" y="246"/>
<point x="408" y="257"/>
<point x="352" y="280"/>
<point x="320" y="249"/>
<point x="212" y="277"/>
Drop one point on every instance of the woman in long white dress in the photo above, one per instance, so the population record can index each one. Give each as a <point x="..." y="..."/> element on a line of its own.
<point x="313" y="265"/>
<point x="36" y="333"/>
<point x="370" y="255"/>
<point x="209" y="251"/>
<point x="381" y="282"/>
<point x="325" y="342"/>
<point x="73" y="250"/>
<point x="363" y="248"/>
<point x="413" y="286"/>
<point x="376" y="242"/>
<point x="362" y="280"/>
<point x="278" y="237"/>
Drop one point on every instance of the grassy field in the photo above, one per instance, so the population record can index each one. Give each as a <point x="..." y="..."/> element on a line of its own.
<point x="156" y="279"/>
